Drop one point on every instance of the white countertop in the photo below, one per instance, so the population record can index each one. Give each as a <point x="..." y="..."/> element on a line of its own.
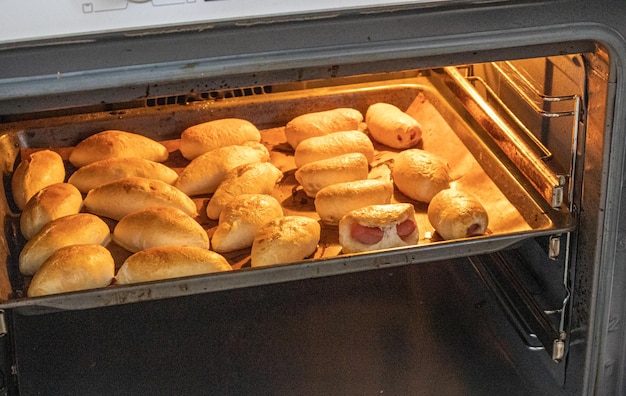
<point x="23" y="20"/>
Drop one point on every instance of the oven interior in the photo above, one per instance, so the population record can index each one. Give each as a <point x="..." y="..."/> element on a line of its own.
<point x="506" y="308"/>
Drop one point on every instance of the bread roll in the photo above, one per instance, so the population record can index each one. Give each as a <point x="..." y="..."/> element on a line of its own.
<point x="257" y="178"/>
<point x="105" y="171"/>
<point x="419" y="174"/>
<point x="241" y="218"/>
<point x="51" y="202"/>
<point x="117" y="144"/>
<point x="121" y="197"/>
<point x="167" y="262"/>
<point x="332" y="145"/>
<point x="285" y="240"/>
<point x="335" y="201"/>
<point x="344" y="168"/>
<point x="159" y="226"/>
<point x="38" y="170"/>
<point x="204" y="173"/>
<point x="457" y="214"/>
<point x="377" y="227"/>
<point x="73" y="268"/>
<point x="77" y="229"/>
<point x="392" y="127"/>
<point x="321" y="123"/>
<point x="199" y="139"/>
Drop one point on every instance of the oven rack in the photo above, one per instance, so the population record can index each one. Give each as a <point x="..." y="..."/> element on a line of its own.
<point x="544" y="106"/>
<point x="556" y="188"/>
<point x="539" y="328"/>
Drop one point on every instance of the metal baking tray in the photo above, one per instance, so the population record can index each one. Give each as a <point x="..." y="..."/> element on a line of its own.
<point x="516" y="210"/>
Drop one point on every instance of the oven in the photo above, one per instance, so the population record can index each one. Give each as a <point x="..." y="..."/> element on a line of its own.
<point x="525" y="101"/>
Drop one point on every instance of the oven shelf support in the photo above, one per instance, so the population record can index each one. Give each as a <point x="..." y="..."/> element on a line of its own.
<point x="530" y="321"/>
<point x="528" y="158"/>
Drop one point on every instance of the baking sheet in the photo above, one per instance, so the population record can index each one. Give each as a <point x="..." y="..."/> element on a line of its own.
<point x="514" y="212"/>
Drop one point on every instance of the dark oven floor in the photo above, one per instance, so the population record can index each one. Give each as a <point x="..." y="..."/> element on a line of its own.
<point x="426" y="329"/>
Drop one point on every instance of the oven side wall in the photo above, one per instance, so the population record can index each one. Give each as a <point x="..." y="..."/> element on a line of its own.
<point x="606" y="350"/>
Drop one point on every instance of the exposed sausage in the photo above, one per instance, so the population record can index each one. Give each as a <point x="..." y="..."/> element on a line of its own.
<point x="381" y="226"/>
<point x="405" y="228"/>
<point x="366" y="235"/>
<point x="474" y="229"/>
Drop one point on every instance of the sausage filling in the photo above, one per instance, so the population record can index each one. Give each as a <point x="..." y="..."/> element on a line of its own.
<point x="473" y="230"/>
<point x="373" y="235"/>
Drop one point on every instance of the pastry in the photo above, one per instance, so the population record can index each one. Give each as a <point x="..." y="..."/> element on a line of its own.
<point x="167" y="262"/>
<point x="316" y="175"/>
<point x="457" y="214"/>
<point x="321" y="123"/>
<point x="204" y="173"/>
<point x="419" y="174"/>
<point x="285" y="240"/>
<point x="38" y="170"/>
<point x="392" y="127"/>
<point x="116" y="144"/>
<point x="77" y="229"/>
<point x="73" y="268"/>
<point x="241" y="218"/>
<point x="201" y="138"/>
<point x="51" y="202"/>
<point x="121" y="197"/>
<point x="159" y="226"/>
<point x="107" y="170"/>
<point x="377" y="227"/>
<point x="256" y="178"/>
<point x="332" y="145"/>
<point x="335" y="201"/>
